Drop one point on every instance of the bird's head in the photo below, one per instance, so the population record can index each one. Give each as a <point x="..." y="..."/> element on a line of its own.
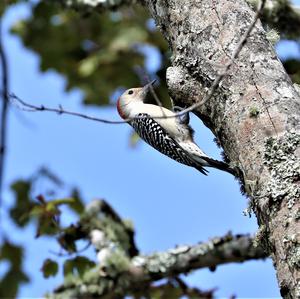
<point x="131" y="96"/>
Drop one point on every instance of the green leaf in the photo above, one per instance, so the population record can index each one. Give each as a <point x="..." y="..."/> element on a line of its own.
<point x="88" y="65"/>
<point x="20" y="213"/>
<point x="78" y="266"/>
<point x="48" y="224"/>
<point x="12" y="253"/>
<point x="14" y="276"/>
<point x="49" y="268"/>
<point x="68" y="238"/>
<point x="53" y="204"/>
<point x="73" y="202"/>
<point x="37" y="211"/>
<point x="11" y="282"/>
<point x="77" y="205"/>
<point x="63" y="201"/>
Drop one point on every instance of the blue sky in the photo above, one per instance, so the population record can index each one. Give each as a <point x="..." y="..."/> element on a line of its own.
<point x="169" y="203"/>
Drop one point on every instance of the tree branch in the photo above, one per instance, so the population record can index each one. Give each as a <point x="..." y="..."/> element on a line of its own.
<point x="123" y="271"/>
<point x="21" y="104"/>
<point x="99" y="5"/>
<point x="4" y="111"/>
<point x="143" y="270"/>
<point x="183" y="259"/>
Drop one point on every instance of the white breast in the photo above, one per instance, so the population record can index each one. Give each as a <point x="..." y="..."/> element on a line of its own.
<point x="170" y="124"/>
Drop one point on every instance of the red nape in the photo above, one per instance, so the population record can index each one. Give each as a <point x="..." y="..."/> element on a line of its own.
<point x="121" y="113"/>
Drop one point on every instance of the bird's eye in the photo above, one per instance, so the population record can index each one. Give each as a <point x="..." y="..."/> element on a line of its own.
<point x="130" y="92"/>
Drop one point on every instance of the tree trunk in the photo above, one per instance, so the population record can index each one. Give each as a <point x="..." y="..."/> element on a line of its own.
<point x="254" y="113"/>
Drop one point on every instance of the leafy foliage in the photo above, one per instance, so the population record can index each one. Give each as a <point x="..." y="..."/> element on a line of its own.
<point x="97" y="53"/>
<point x="5" y="4"/>
<point x="47" y="216"/>
<point x="77" y="266"/>
<point x="20" y="212"/>
<point x="14" y="276"/>
<point x="49" y="268"/>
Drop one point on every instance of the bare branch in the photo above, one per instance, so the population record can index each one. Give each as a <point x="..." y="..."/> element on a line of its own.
<point x="33" y="108"/>
<point x="21" y="104"/>
<point x="145" y="77"/>
<point x="100" y="5"/>
<point x="3" y="125"/>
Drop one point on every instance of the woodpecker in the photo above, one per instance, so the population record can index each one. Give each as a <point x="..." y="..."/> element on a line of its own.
<point x="164" y="130"/>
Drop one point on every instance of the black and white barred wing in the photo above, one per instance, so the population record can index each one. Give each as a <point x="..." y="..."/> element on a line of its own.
<point x="156" y="136"/>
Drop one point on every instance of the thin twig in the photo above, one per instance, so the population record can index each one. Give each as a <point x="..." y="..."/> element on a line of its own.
<point x="60" y="254"/>
<point x="157" y="100"/>
<point x="14" y="99"/>
<point x="60" y="110"/>
<point x="5" y="101"/>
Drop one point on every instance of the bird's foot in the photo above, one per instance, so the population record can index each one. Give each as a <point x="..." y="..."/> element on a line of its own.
<point x="184" y="119"/>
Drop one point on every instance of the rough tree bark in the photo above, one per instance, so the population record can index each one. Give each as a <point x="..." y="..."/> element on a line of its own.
<point x="254" y="113"/>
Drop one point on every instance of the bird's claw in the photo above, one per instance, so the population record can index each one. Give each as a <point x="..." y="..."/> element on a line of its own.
<point x="183" y="119"/>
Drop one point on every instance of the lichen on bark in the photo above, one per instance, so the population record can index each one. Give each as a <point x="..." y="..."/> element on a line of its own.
<point x="284" y="165"/>
<point x="202" y="36"/>
<point x="122" y="271"/>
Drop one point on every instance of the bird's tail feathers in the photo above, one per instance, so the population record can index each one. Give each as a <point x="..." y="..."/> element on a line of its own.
<point x="219" y="165"/>
<point x="202" y="169"/>
<point x="202" y="160"/>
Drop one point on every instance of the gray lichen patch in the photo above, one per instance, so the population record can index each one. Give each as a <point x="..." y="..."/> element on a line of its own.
<point x="179" y="257"/>
<point x="161" y="262"/>
<point x="273" y="36"/>
<point x="283" y="162"/>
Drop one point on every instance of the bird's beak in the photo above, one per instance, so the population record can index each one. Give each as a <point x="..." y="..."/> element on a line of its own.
<point x="147" y="88"/>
